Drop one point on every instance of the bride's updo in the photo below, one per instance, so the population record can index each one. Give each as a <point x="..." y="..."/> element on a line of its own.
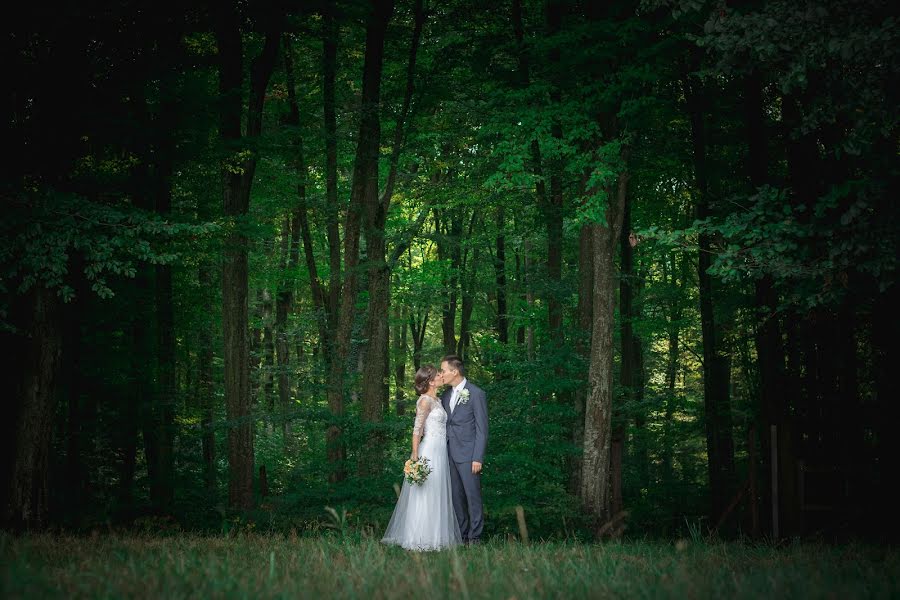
<point x="423" y="378"/>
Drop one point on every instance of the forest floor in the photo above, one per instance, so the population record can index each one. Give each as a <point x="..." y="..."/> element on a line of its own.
<point x="276" y="566"/>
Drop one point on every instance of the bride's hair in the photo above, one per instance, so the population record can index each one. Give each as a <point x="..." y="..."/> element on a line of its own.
<point x="423" y="378"/>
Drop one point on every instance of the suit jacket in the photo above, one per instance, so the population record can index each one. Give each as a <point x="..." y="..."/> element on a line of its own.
<point x="467" y="427"/>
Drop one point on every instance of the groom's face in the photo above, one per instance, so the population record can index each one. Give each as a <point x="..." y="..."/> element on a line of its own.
<point x="448" y="374"/>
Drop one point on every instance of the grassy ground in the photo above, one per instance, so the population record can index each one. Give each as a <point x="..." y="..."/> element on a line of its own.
<point x="275" y="566"/>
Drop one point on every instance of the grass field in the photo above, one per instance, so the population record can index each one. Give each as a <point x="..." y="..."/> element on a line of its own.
<point x="276" y="566"/>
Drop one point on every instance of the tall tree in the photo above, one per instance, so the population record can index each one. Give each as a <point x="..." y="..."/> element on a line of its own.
<point x="237" y="178"/>
<point x="28" y="495"/>
<point x="379" y="267"/>
<point x="596" y="462"/>
<point x="716" y="364"/>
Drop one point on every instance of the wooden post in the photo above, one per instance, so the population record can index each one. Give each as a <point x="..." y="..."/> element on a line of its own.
<point x="523" y="528"/>
<point x="754" y="508"/>
<point x="773" y="433"/>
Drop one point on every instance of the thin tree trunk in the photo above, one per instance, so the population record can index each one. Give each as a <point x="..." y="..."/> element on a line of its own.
<point x="332" y="212"/>
<point x="375" y="218"/>
<point x="467" y="280"/>
<point x="205" y="391"/>
<point x="167" y="387"/>
<point x="673" y="354"/>
<point x="268" y="344"/>
<point x="585" y="320"/>
<point x="401" y="349"/>
<point x="236" y="200"/>
<point x="553" y="205"/>
<point x="78" y="434"/>
<point x="418" y="324"/>
<point x="500" y="278"/>
<point x="449" y="246"/>
<point x="630" y="373"/>
<point x="770" y="351"/>
<point x="364" y="193"/>
<point x="529" y="302"/>
<point x="524" y="76"/>
<point x="716" y="365"/>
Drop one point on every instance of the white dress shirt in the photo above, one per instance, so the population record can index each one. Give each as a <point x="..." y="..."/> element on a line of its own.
<point x="455" y="394"/>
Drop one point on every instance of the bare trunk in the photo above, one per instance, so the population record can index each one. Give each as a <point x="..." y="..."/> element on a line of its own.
<point x="27" y="506"/>
<point x="236" y="200"/>
<point x="524" y="76"/>
<point x="449" y="229"/>
<point x="630" y="372"/>
<point x="716" y="364"/>
<point x="585" y="319"/>
<point x="529" y="302"/>
<point x="500" y="279"/>
<point x="553" y="205"/>
<point x="673" y="354"/>
<point x="401" y="348"/>
<point x="596" y="493"/>
<point x="205" y="392"/>
<point x="268" y="343"/>
<point x="375" y="211"/>
<point x="418" y="324"/>
<point x="363" y="194"/>
<point x="770" y="353"/>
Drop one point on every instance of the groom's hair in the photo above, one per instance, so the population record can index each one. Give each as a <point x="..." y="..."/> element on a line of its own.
<point x="455" y="363"/>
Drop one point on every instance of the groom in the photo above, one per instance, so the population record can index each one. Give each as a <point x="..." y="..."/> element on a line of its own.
<point x="467" y="433"/>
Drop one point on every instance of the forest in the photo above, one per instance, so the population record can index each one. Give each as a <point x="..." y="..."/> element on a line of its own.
<point x="659" y="233"/>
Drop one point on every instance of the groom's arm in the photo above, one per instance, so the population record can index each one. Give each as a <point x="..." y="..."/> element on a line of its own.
<point x="479" y="407"/>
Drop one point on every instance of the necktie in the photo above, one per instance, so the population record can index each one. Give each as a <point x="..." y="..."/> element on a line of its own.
<point x="453" y="400"/>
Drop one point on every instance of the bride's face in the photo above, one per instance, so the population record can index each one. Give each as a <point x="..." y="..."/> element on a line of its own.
<point x="438" y="380"/>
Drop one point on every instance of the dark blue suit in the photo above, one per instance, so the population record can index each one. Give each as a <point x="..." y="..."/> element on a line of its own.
<point x="467" y="434"/>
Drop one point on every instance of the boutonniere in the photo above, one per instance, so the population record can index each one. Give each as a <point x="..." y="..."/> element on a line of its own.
<point x="463" y="396"/>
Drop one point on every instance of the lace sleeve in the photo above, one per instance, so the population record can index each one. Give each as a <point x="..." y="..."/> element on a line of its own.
<point x="423" y="407"/>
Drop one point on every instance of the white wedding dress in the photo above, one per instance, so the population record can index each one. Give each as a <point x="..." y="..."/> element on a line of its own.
<point x="423" y="518"/>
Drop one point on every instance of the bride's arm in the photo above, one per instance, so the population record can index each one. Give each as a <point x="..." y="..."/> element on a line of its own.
<point x="423" y="407"/>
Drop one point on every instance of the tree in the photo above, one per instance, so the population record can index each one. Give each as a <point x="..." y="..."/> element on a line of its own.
<point x="237" y="178"/>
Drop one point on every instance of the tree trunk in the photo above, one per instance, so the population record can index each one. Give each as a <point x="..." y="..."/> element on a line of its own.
<point x="500" y="278"/>
<point x="167" y="387"/>
<point x="467" y="280"/>
<point x="553" y="205"/>
<point x="236" y="199"/>
<point x="770" y="353"/>
<point x="375" y="219"/>
<point x="676" y="282"/>
<point x="401" y="348"/>
<point x="364" y="194"/>
<point x="524" y="77"/>
<point x="329" y="45"/>
<point x="418" y="325"/>
<point x="449" y="230"/>
<point x="80" y="416"/>
<point x="595" y="479"/>
<point x="527" y="275"/>
<point x="716" y="365"/>
<point x="630" y="373"/>
<point x="268" y="344"/>
<point x="585" y="320"/>
<point x="206" y="392"/>
<point x="27" y="506"/>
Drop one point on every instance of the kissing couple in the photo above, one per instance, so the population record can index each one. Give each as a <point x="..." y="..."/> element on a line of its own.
<point x="451" y="431"/>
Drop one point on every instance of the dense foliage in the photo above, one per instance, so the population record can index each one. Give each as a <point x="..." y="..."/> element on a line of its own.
<point x="321" y="199"/>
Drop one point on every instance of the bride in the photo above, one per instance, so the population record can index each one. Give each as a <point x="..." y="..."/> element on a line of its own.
<point x="423" y="518"/>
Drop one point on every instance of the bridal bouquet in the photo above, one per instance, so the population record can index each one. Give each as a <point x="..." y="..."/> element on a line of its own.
<point x="416" y="471"/>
